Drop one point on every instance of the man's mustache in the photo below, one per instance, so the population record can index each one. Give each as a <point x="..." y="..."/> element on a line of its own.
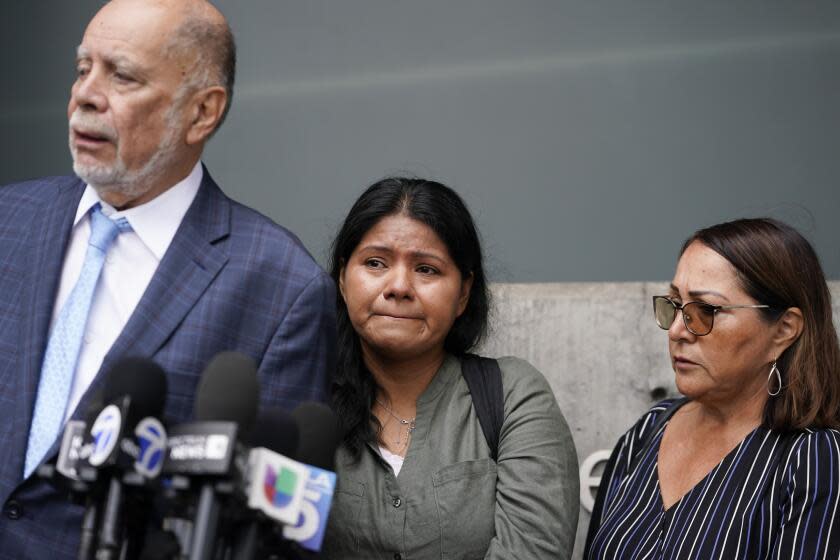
<point x="90" y="125"/>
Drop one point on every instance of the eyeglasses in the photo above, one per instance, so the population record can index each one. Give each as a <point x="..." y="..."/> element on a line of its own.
<point x="699" y="317"/>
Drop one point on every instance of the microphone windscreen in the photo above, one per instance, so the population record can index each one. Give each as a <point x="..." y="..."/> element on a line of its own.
<point x="228" y="391"/>
<point x="142" y="380"/>
<point x="320" y="435"/>
<point x="276" y="430"/>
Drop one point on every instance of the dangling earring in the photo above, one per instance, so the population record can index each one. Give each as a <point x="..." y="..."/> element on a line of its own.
<point x="774" y="370"/>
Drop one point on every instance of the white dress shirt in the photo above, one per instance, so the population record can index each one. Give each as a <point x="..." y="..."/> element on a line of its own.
<point x="129" y="266"/>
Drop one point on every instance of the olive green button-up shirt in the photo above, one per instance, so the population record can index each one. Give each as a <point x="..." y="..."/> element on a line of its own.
<point x="450" y="500"/>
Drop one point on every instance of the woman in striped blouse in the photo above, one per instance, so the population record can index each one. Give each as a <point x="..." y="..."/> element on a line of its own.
<point x="747" y="465"/>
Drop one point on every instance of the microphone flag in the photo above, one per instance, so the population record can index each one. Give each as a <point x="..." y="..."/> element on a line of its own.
<point x="277" y="485"/>
<point x="309" y="530"/>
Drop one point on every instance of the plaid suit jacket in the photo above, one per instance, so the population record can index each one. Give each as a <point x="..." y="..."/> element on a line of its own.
<point x="231" y="280"/>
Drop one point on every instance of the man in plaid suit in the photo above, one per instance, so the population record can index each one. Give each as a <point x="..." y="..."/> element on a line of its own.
<point x="195" y="274"/>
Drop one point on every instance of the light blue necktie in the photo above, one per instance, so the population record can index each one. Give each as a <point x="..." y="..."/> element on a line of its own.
<point x="66" y="340"/>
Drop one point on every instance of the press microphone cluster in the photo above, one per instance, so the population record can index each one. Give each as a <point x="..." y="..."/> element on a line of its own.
<point x="108" y="462"/>
<point x="230" y="485"/>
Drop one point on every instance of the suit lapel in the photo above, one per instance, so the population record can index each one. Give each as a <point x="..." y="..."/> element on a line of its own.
<point x="46" y="254"/>
<point x="183" y="275"/>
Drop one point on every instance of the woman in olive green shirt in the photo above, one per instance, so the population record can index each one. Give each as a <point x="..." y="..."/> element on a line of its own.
<point x="415" y="474"/>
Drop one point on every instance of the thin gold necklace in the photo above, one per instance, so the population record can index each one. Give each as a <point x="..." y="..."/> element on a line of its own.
<point x="409" y="423"/>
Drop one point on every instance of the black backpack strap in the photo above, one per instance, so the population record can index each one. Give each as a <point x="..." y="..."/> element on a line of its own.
<point x="660" y="421"/>
<point x="484" y="380"/>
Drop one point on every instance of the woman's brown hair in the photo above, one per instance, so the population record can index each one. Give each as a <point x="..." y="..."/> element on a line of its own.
<point x="778" y="267"/>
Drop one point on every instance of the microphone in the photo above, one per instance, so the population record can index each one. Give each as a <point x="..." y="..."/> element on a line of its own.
<point x="320" y="436"/>
<point x="276" y="430"/>
<point x="65" y="475"/>
<point x="229" y="391"/>
<point x="207" y="455"/>
<point x="273" y="487"/>
<point x="135" y="389"/>
<point x="275" y="481"/>
<point x="300" y="503"/>
<point x="98" y="455"/>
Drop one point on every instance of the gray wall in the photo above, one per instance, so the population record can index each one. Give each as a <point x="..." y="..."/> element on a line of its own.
<point x="588" y="138"/>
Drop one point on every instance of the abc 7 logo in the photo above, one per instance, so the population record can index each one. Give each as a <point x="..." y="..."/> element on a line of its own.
<point x="151" y="438"/>
<point x="105" y="432"/>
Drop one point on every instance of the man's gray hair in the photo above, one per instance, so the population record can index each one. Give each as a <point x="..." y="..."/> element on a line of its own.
<point x="214" y="50"/>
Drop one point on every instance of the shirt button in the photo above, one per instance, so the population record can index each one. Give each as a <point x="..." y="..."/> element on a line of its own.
<point x="14" y="510"/>
<point x="397" y="502"/>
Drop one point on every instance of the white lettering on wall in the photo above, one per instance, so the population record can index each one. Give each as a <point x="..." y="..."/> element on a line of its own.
<point x="588" y="480"/>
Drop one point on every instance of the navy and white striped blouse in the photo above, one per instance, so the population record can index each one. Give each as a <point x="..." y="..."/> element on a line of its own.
<point x="774" y="496"/>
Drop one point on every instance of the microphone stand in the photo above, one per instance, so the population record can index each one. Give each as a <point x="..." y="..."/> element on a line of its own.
<point x="87" y="539"/>
<point x="110" y="540"/>
<point x="206" y="521"/>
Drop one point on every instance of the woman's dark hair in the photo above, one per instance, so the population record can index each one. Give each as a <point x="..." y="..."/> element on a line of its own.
<point x="778" y="267"/>
<point x="440" y="208"/>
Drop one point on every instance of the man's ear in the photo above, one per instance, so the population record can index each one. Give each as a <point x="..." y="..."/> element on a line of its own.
<point x="206" y="109"/>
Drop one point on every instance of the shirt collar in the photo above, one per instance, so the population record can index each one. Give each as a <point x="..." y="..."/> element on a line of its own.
<point x="156" y="221"/>
<point x="449" y="371"/>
